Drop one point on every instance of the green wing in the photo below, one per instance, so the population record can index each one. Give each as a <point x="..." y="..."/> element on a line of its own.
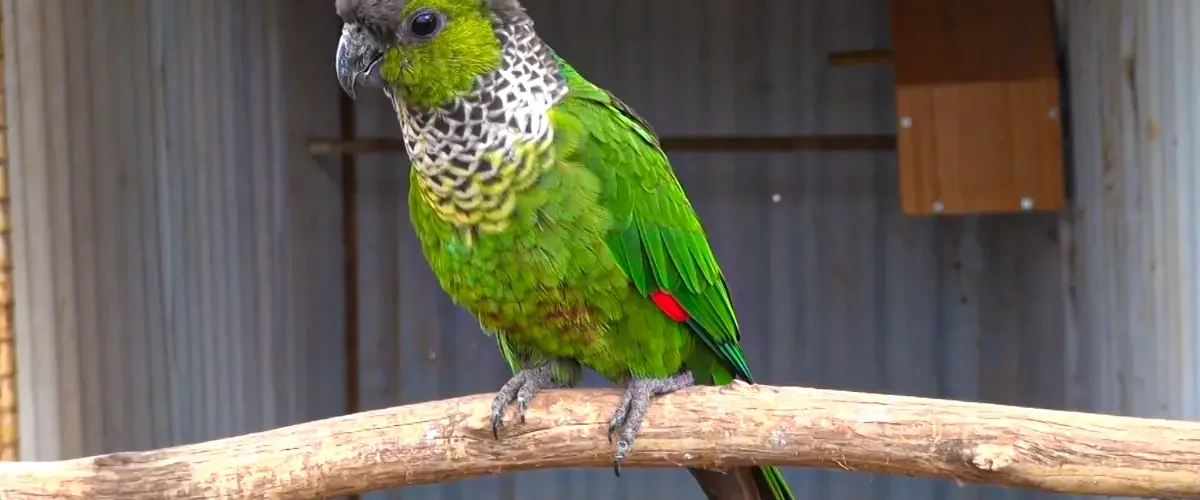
<point x="657" y="239"/>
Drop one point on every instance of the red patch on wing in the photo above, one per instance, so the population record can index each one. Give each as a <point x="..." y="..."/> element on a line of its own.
<point x="671" y="307"/>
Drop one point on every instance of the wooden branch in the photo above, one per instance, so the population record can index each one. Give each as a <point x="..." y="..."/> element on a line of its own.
<point x="711" y="427"/>
<point x="677" y="144"/>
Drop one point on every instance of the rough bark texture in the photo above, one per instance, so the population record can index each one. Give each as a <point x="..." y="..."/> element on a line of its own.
<point x="710" y="427"/>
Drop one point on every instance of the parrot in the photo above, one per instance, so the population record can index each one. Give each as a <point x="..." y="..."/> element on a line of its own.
<point x="547" y="208"/>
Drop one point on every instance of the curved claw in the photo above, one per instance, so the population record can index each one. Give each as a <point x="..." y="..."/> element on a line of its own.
<point x="621" y="414"/>
<point x="524" y="397"/>
<point x="501" y="400"/>
<point x="496" y="419"/>
<point x="520" y="388"/>
<point x="635" y="401"/>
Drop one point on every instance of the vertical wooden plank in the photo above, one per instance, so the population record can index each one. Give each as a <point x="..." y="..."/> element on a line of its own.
<point x="977" y="99"/>
<point x="980" y="147"/>
<point x="8" y="362"/>
<point x="951" y="41"/>
<point x="914" y="107"/>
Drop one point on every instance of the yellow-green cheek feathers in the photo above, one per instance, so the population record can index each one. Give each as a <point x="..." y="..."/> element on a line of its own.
<point x="426" y="74"/>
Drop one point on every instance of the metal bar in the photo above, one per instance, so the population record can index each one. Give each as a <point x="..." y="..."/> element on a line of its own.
<point x="349" y="181"/>
<point x="695" y="144"/>
<point x="860" y="58"/>
<point x="676" y="144"/>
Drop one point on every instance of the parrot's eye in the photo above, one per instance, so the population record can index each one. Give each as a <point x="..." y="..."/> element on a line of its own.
<point x="424" y="24"/>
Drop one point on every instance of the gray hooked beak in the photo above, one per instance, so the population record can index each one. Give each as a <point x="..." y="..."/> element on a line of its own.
<point x="357" y="60"/>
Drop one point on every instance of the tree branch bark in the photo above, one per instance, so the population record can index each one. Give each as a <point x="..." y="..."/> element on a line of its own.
<point x="701" y="427"/>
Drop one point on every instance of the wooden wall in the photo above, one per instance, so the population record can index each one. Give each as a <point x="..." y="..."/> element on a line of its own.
<point x="8" y="365"/>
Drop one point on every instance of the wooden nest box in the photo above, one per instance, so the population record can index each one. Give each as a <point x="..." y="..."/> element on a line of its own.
<point x="977" y="106"/>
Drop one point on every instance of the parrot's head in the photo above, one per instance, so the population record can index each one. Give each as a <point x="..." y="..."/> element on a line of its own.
<point x="421" y="52"/>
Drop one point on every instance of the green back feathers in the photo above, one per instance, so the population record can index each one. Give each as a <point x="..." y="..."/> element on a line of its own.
<point x="657" y="239"/>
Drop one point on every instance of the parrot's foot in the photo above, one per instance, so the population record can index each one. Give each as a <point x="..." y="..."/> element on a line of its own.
<point x="633" y="406"/>
<point x="521" y="387"/>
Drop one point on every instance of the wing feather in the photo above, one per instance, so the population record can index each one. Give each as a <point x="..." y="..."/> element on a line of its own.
<point x="657" y="238"/>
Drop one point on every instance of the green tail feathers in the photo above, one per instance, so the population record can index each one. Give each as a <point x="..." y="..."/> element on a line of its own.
<point x="771" y="482"/>
<point x="743" y="483"/>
